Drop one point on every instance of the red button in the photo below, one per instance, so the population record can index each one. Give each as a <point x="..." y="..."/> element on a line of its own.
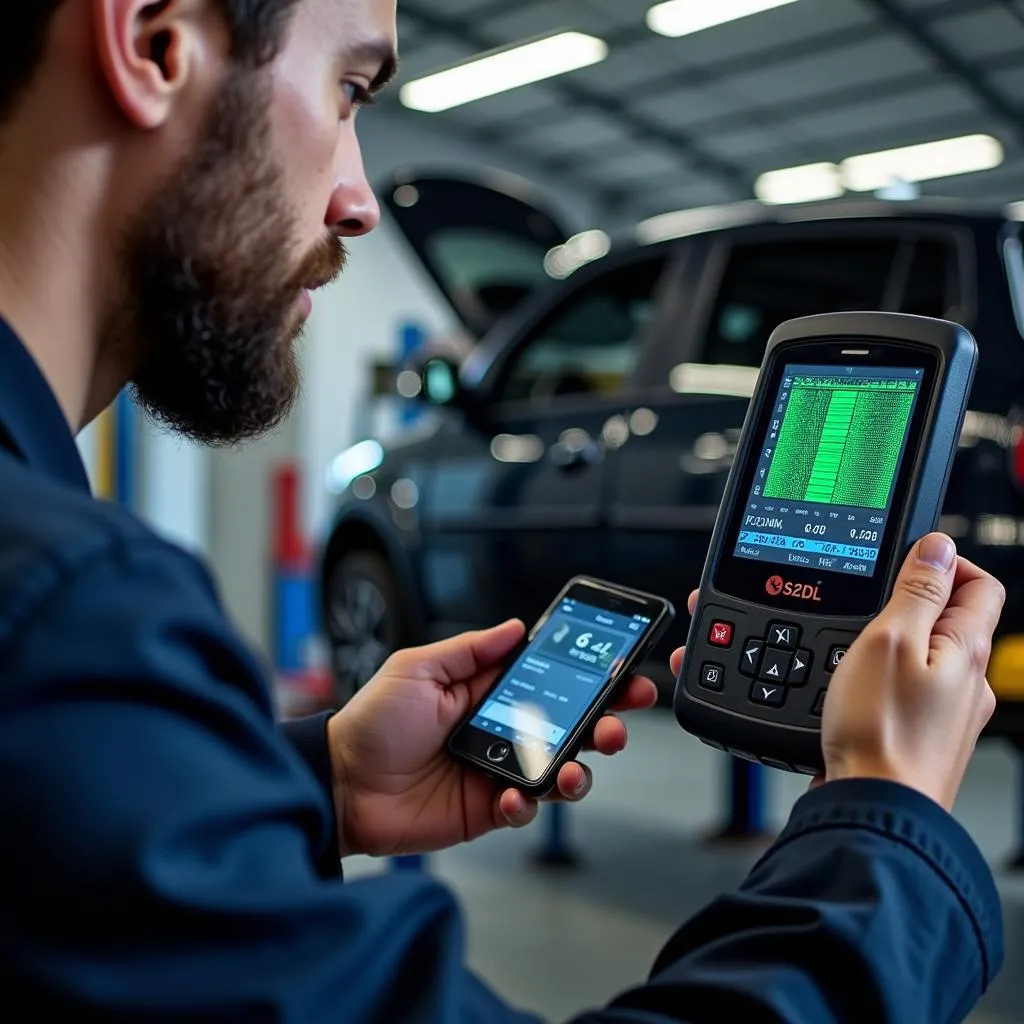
<point x="721" y="634"/>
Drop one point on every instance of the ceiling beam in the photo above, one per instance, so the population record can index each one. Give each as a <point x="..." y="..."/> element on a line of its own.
<point x="921" y="34"/>
<point x="679" y="143"/>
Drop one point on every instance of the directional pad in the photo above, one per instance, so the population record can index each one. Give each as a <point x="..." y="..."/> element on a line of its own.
<point x="775" y="666"/>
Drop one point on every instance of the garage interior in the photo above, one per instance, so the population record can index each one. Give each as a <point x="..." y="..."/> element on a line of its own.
<point x="666" y="129"/>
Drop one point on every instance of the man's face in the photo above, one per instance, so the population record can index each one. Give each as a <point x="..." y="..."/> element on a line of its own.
<point x="217" y="267"/>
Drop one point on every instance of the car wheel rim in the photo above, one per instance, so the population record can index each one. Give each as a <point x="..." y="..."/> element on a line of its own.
<point x="360" y="628"/>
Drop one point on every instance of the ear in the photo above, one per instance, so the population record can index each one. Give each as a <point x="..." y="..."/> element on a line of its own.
<point x="148" y="50"/>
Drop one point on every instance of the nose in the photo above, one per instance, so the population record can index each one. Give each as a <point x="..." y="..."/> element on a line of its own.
<point x="353" y="210"/>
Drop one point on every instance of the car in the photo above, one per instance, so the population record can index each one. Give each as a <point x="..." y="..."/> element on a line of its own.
<point x="592" y="426"/>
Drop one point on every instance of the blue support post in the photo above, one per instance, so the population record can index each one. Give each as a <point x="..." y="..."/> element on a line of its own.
<point x="124" y="450"/>
<point x="555" y="852"/>
<point x="412" y="862"/>
<point x="745" y="800"/>
<point x="411" y="337"/>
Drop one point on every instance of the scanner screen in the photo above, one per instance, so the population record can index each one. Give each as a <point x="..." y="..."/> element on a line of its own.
<point x="822" y="491"/>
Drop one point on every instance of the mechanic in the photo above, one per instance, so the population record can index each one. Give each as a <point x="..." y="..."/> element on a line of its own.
<point x="176" y="175"/>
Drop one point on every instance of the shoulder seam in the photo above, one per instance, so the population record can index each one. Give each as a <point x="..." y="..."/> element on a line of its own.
<point x="63" y="572"/>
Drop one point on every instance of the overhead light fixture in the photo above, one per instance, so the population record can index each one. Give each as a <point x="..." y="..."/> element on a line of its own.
<point x="565" y="259"/>
<point x="967" y="154"/>
<point x="502" y="70"/>
<point x="805" y="184"/>
<point x="677" y="18"/>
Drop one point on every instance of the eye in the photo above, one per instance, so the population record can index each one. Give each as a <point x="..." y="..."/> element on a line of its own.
<point x="356" y="94"/>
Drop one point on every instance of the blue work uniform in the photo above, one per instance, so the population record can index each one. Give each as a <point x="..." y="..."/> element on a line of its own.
<point x="167" y="850"/>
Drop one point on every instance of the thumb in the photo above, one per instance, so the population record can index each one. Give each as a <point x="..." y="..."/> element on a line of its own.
<point x="923" y="587"/>
<point x="463" y="657"/>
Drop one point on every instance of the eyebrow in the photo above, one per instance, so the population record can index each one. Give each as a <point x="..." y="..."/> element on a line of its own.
<point x="379" y="51"/>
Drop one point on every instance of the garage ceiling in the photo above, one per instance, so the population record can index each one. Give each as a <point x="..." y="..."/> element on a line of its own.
<point x="665" y="124"/>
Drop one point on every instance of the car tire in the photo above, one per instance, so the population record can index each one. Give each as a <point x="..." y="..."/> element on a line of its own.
<point x="363" y="619"/>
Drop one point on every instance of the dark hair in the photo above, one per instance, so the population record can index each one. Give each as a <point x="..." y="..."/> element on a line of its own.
<point x="257" y="27"/>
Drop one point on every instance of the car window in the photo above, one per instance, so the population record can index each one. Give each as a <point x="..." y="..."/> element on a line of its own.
<point x="591" y="343"/>
<point x="766" y="284"/>
<point x="931" y="287"/>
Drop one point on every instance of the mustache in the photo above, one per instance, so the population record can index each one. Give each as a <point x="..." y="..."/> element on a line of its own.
<point x="324" y="264"/>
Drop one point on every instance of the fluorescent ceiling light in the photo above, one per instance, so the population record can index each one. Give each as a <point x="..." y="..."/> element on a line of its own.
<point x="683" y="17"/>
<point x="804" y="184"/>
<point x="965" y="155"/>
<point x="502" y="70"/>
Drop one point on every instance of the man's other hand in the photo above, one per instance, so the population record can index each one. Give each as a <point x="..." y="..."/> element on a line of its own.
<point x="910" y="698"/>
<point x="397" y="790"/>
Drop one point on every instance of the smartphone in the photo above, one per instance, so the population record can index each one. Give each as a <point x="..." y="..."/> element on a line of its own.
<point x="559" y="681"/>
<point x="842" y="465"/>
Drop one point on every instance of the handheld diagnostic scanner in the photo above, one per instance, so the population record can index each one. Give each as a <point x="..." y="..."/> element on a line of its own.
<point x="841" y="466"/>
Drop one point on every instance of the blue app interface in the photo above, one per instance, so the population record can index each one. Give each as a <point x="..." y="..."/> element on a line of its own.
<point x="551" y="685"/>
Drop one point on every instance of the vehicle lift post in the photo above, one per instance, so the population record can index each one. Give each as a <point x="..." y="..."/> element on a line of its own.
<point x="555" y="851"/>
<point x="744" y="800"/>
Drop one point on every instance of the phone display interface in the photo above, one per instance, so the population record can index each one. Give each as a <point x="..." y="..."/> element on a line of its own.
<point x="552" y="684"/>
<point x="823" y="488"/>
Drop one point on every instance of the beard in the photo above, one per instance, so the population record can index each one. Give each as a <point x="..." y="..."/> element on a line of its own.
<point x="209" y="314"/>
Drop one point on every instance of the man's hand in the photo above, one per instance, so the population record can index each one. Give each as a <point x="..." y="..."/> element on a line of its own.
<point x="396" y="788"/>
<point x="910" y="698"/>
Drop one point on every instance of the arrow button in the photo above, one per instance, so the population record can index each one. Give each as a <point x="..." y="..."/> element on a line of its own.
<point x="772" y="696"/>
<point x="751" y="657"/>
<point x="800" y="668"/>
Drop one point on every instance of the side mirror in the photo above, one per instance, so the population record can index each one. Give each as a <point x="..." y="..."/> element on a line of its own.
<point x="434" y="380"/>
<point x="441" y="383"/>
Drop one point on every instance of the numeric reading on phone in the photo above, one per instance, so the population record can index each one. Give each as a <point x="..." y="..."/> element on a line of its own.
<point x="552" y="684"/>
<point x="823" y="487"/>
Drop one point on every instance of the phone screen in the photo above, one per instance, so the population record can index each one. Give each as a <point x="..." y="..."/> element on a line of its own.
<point x="554" y="682"/>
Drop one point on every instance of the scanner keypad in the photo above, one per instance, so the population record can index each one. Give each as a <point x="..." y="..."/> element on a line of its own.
<point x="763" y="666"/>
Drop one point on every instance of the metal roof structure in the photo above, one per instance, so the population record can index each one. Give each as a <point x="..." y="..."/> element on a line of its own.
<point x="665" y="124"/>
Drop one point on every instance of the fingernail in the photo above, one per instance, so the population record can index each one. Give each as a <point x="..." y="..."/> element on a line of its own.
<point x="938" y="551"/>
<point x="581" y="786"/>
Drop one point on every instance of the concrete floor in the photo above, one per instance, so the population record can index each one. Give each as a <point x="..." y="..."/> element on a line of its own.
<point x="557" y="942"/>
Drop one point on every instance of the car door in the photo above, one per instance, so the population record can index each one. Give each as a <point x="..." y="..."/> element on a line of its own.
<point x="522" y="509"/>
<point x="670" y="477"/>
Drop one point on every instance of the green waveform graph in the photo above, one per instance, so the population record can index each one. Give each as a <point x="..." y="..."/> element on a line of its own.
<point x="841" y="445"/>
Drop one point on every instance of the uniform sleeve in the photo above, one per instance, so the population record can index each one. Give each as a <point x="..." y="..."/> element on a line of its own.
<point x="873" y="905"/>
<point x="308" y="736"/>
<point x="161" y="841"/>
<point x="161" y="837"/>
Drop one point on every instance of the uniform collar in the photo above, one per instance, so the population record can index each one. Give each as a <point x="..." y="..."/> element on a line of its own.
<point x="31" y="419"/>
